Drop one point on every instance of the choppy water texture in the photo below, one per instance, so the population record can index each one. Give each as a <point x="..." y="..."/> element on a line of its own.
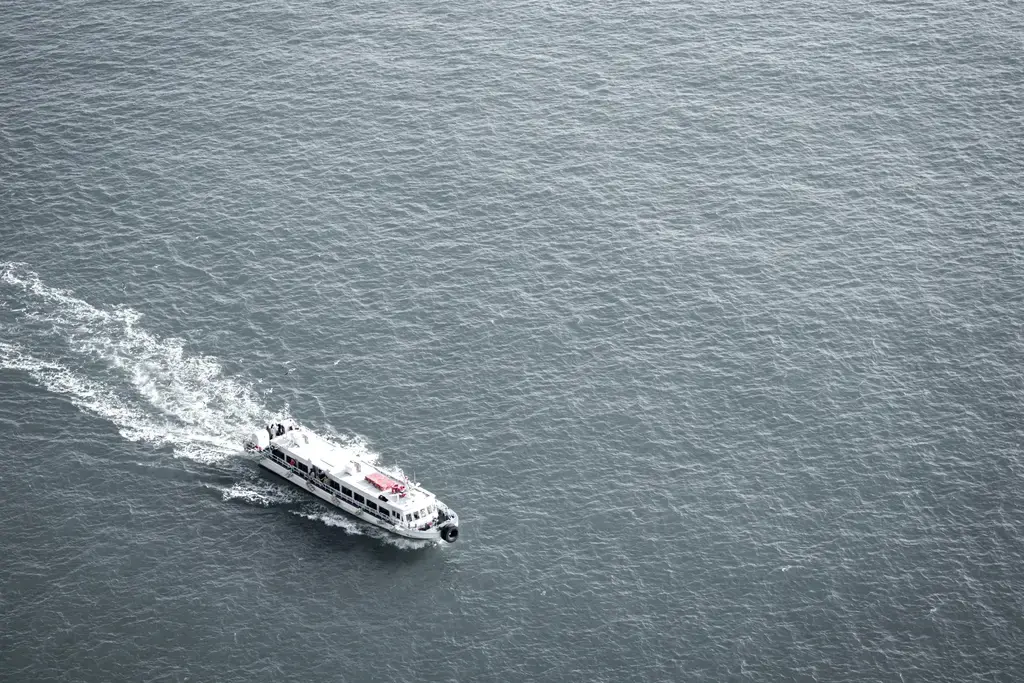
<point x="706" y="319"/>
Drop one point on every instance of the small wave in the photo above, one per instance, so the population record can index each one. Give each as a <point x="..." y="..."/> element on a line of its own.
<point x="353" y="527"/>
<point x="261" y="494"/>
<point x="333" y="519"/>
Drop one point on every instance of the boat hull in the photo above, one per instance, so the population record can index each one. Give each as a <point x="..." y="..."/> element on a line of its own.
<point x="428" y="535"/>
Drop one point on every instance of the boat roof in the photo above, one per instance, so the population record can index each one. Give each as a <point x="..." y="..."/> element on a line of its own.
<point x="368" y="478"/>
<point x="384" y="482"/>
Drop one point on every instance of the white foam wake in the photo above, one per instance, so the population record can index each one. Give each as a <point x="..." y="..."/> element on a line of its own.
<point x="357" y="528"/>
<point x="260" y="493"/>
<point x="152" y="389"/>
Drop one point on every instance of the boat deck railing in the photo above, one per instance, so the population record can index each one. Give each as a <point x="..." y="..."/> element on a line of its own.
<point x="309" y="478"/>
<point x="447" y="515"/>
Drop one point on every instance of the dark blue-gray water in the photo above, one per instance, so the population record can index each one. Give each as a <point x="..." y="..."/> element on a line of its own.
<point x="707" y="319"/>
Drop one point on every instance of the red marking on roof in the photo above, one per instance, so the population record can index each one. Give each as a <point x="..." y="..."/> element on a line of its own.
<point x="385" y="483"/>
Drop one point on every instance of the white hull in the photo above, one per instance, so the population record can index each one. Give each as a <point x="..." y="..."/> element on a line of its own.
<point x="428" y="535"/>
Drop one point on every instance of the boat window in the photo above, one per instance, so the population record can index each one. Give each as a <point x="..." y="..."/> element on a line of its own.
<point x="345" y="491"/>
<point x="396" y="513"/>
<point x="416" y="514"/>
<point x="360" y="499"/>
<point x="408" y="516"/>
<point x="370" y="504"/>
<point x="302" y="467"/>
<point x="334" y="485"/>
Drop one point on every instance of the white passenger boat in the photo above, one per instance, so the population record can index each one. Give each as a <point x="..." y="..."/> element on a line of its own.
<point x="352" y="484"/>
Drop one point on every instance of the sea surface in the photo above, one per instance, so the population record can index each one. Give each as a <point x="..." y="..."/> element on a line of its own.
<point x="707" y="318"/>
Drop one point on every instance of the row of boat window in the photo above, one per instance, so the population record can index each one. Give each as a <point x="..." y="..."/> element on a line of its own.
<point x="359" y="498"/>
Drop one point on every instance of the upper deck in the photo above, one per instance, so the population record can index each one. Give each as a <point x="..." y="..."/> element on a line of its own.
<point x="350" y="470"/>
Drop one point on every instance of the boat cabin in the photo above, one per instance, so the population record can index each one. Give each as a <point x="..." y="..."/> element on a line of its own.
<point x="353" y="481"/>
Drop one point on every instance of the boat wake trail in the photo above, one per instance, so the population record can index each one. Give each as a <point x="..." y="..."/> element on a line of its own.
<point x="152" y="389"/>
